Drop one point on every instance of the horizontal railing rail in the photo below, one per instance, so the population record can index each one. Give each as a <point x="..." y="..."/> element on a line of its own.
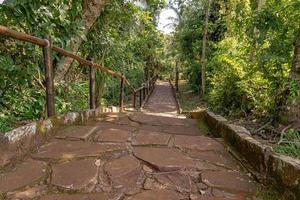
<point x="49" y="74"/>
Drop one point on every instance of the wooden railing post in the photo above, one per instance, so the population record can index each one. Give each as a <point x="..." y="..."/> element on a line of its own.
<point x="144" y="92"/>
<point x="92" y="76"/>
<point x="134" y="99"/>
<point x="147" y="88"/>
<point x="176" y="75"/>
<point x="47" y="52"/>
<point x="141" y="97"/>
<point x="122" y="94"/>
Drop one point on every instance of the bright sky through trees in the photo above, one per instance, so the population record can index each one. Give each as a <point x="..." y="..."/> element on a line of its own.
<point x="166" y="22"/>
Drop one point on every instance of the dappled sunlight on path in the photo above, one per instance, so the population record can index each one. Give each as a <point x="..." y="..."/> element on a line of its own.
<point x="154" y="154"/>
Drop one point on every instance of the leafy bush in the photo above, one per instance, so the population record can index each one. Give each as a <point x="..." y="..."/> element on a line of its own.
<point x="72" y="96"/>
<point x="234" y="85"/>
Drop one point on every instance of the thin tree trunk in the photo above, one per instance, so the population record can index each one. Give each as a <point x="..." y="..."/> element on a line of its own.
<point x="260" y="5"/>
<point x="294" y="108"/>
<point x="146" y="71"/>
<point x="92" y="10"/>
<point x="177" y="75"/>
<point x="203" y="57"/>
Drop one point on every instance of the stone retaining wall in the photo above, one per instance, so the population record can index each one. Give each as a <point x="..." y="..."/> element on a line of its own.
<point x="270" y="165"/>
<point x="20" y="141"/>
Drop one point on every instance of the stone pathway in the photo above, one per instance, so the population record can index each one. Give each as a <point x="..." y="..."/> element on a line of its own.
<point x="150" y="155"/>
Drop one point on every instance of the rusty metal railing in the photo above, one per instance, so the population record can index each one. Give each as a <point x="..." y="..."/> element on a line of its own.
<point x="47" y="46"/>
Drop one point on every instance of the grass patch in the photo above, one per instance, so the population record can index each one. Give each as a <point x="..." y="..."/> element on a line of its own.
<point x="269" y="192"/>
<point x="290" y="144"/>
<point x="189" y="100"/>
<point x="6" y="123"/>
<point x="203" y="127"/>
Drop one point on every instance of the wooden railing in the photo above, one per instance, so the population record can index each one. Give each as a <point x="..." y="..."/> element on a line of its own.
<point x="143" y="92"/>
<point x="47" y="46"/>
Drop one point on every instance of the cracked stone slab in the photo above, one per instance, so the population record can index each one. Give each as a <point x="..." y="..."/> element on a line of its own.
<point x="146" y="119"/>
<point x="149" y="128"/>
<point x="153" y="138"/>
<point x="75" y="174"/>
<point x="172" y="121"/>
<point x="95" y="196"/>
<point x="227" y="195"/>
<point x="124" y="172"/>
<point x="204" y="197"/>
<point x="218" y="158"/>
<point x="164" y="159"/>
<point x="22" y="175"/>
<point x="76" y="132"/>
<point x="127" y="121"/>
<point x="6" y="157"/>
<point x="29" y="192"/>
<point x="181" y="130"/>
<point x="200" y="143"/>
<point x="158" y="194"/>
<point x="159" y="120"/>
<point x="182" y="183"/>
<point x="61" y="149"/>
<point x="113" y="135"/>
<point x="228" y="180"/>
<point x="108" y="125"/>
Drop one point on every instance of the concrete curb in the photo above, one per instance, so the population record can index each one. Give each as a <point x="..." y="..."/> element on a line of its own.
<point x="179" y="110"/>
<point x="284" y="170"/>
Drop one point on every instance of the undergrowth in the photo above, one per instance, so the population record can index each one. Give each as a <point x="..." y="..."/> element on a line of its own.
<point x="290" y="144"/>
<point x="190" y="101"/>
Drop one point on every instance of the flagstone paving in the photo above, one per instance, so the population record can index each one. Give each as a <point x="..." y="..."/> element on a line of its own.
<point x="150" y="155"/>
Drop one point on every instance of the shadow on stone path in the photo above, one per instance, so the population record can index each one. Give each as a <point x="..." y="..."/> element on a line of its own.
<point x="150" y="155"/>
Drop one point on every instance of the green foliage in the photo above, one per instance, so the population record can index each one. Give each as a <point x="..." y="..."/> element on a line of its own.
<point x="235" y="85"/>
<point x="21" y="64"/>
<point x="72" y="96"/>
<point x="270" y="192"/>
<point x="249" y="55"/>
<point x="126" y="42"/>
<point x="60" y="19"/>
<point x="124" y="38"/>
<point x="189" y="100"/>
<point x="290" y="144"/>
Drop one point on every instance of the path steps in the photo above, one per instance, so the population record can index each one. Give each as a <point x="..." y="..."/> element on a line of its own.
<point x="150" y="155"/>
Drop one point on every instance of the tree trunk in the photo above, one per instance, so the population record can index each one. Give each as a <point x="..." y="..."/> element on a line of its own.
<point x="92" y="10"/>
<point x="146" y="71"/>
<point x="260" y="5"/>
<point x="203" y="57"/>
<point x="294" y="108"/>
<point x="177" y="75"/>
